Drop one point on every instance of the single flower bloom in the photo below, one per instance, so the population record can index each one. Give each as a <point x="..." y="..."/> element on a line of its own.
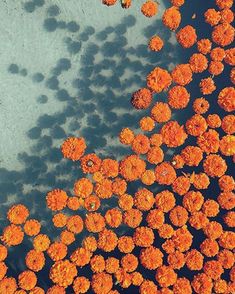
<point x="73" y="148"/>
<point x="149" y="8"/>
<point x="63" y="273"/>
<point x="159" y="80"/>
<point x="155" y="43"/>
<point x="171" y="18"/>
<point x="186" y="36"/>
<point x="142" y="98"/>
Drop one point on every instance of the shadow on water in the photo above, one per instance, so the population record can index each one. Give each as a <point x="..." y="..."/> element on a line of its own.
<point x="96" y="106"/>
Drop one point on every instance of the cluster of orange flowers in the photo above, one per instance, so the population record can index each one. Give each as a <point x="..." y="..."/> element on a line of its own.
<point x="161" y="225"/>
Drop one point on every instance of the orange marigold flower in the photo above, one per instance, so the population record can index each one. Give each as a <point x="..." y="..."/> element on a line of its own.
<point x="111" y="265"/>
<point x="229" y="219"/>
<point x="224" y="3"/>
<point x="227" y="145"/>
<point x="230" y="56"/>
<point x="109" y="168"/>
<point x="209" y="141"/>
<point x="41" y="242"/>
<point x="125" y="202"/>
<point x="141" y="99"/>
<point x="213" y="121"/>
<point x="129" y="262"/>
<point x="151" y="258"/>
<point x="232" y="75"/>
<point x="155" y="43"/>
<point x="207" y="86"/>
<point x="126" y="136"/>
<point x="202" y="284"/>
<point x="56" y="289"/>
<point x="90" y="163"/>
<point x="36" y="290"/>
<point x="196" y="125"/>
<point x="182" y="286"/>
<point x="75" y="224"/>
<point x="140" y="144"/>
<point x="214" y="165"/>
<point x="165" y="173"/>
<point x="103" y="189"/>
<point x="12" y="235"/>
<point x="32" y="227"/>
<point x="178" y="216"/>
<point x="8" y="285"/>
<point x="220" y="286"/>
<point x="166" y="231"/>
<point x="213" y="269"/>
<point x="166" y="276"/>
<point x="156" y="140"/>
<point x="56" y="199"/>
<point x="182" y="239"/>
<point x="193" y="201"/>
<point x="143" y="237"/>
<point x="137" y="278"/>
<point x="35" y="260"/>
<point x="113" y="217"/>
<point x="148" y="177"/>
<point x="177" y="3"/>
<point x="226" y="99"/>
<point x="216" y="68"/>
<point x="67" y="237"/>
<point x="226" y="183"/>
<point x="223" y="34"/>
<point x="107" y="240"/>
<point x="94" y="222"/>
<point x="92" y="203"/>
<point x="226" y="200"/>
<point x="194" y="260"/>
<point x="97" y="263"/>
<point x="17" y="214"/>
<point x="126" y="4"/>
<point x="212" y="16"/>
<point x="161" y="112"/>
<point x="81" y="257"/>
<point x="213" y="230"/>
<point x="181" y="185"/>
<point x="198" y="220"/>
<point x="201" y="181"/>
<point x="171" y="18"/>
<point x="192" y="155"/>
<point x="132" y="167"/>
<point x="125" y="244"/>
<point x="3" y="252"/>
<point x="27" y="280"/>
<point x="187" y="36"/>
<point x="73" y="148"/>
<point x="226" y="258"/>
<point x="159" y="80"/>
<point x="217" y="54"/>
<point x="57" y="251"/>
<point x="228" y="124"/>
<point x="182" y="74"/>
<point x="97" y="177"/>
<point x="119" y="186"/>
<point x="81" y="285"/>
<point x="178" y="97"/>
<point x="198" y="63"/>
<point x="201" y="105"/>
<point x="74" y="203"/>
<point x="109" y="2"/>
<point x="165" y="200"/>
<point x="149" y="8"/>
<point x="83" y="187"/>
<point x="176" y="260"/>
<point x="90" y="243"/>
<point x="155" y="218"/>
<point x="210" y="208"/>
<point x="155" y="155"/>
<point x="209" y="247"/>
<point x="63" y="273"/>
<point x="204" y="46"/>
<point x="101" y="283"/>
<point x="3" y="270"/>
<point x="147" y="124"/>
<point x="168" y="246"/>
<point x="132" y="218"/>
<point x="148" y="287"/>
<point x="59" y="220"/>
<point x="177" y="161"/>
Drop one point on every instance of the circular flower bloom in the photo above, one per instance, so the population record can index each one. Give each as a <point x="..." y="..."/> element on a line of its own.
<point x="155" y="43"/>
<point x="155" y="155"/>
<point x="171" y="18"/>
<point x="109" y="2"/>
<point x="182" y="74"/>
<point x="90" y="243"/>
<point x="230" y="56"/>
<point x="181" y="185"/>
<point x="81" y="285"/>
<point x="226" y="183"/>
<point x="107" y="240"/>
<point x="207" y="86"/>
<point x="166" y="276"/>
<point x="111" y="265"/>
<point x="176" y="260"/>
<point x="194" y="260"/>
<point x="32" y="227"/>
<point x="81" y="257"/>
<point x="220" y="286"/>
<point x="147" y="124"/>
<point x="109" y="168"/>
<point x="210" y="208"/>
<point x="41" y="242"/>
<point x="119" y="186"/>
<point x="8" y="285"/>
<point x="177" y="161"/>
<point x="56" y="199"/>
<point x="73" y="148"/>
<point x="101" y="283"/>
<point x="142" y="98"/>
<point x="212" y="17"/>
<point x="113" y="217"/>
<point x="57" y="251"/>
<point x="166" y="231"/>
<point x="182" y="239"/>
<point x="204" y="46"/>
<point x="132" y="218"/>
<point x="224" y="3"/>
<point x="196" y="125"/>
<point x="214" y="166"/>
<point x="17" y="214"/>
<point x="161" y="112"/>
<point x="97" y="263"/>
<point x="198" y="220"/>
<point x="226" y="200"/>
<point x="201" y="181"/>
<point x="12" y="235"/>
<point x="192" y="155"/>
<point x="35" y="260"/>
<point x="27" y="280"/>
<point x="178" y="97"/>
<point x="226" y="99"/>
<point x="178" y="216"/>
<point x="151" y="258"/>
<point x="94" y="222"/>
<point x="200" y="105"/>
<point x="140" y="144"/>
<point x="213" y="121"/>
<point x="202" y="284"/>
<point x="137" y="279"/>
<point x="149" y="8"/>
<point x="83" y="187"/>
<point x="132" y="167"/>
<point x="35" y="290"/>
<point x="125" y="202"/>
<point x="209" y="247"/>
<point x="56" y="289"/>
<point x="193" y="201"/>
<point x="223" y="34"/>
<point x="156" y="140"/>
<point x="3" y="252"/>
<point x="148" y="287"/>
<point x="143" y="237"/>
<point x="227" y="145"/>
<point x="216" y="68"/>
<point x="103" y="189"/>
<point x="168" y="246"/>
<point x="155" y="218"/>
<point x="165" y="200"/>
<point x="126" y="136"/>
<point x="3" y="270"/>
<point x="75" y="224"/>
<point x="213" y="269"/>
<point x="67" y="237"/>
<point x="144" y="199"/>
<point x="198" y="63"/>
<point x="209" y="142"/>
<point x="126" y="244"/>
<point x="177" y="3"/>
<point x="63" y="273"/>
<point x="59" y="220"/>
<point x="187" y="36"/>
<point x="226" y="258"/>
<point x="159" y="80"/>
<point x="129" y="262"/>
<point x="182" y="286"/>
<point x="213" y="230"/>
<point x="228" y="124"/>
<point x="74" y="203"/>
<point x="217" y="54"/>
<point x="165" y="174"/>
<point x="90" y="163"/>
<point x="148" y="177"/>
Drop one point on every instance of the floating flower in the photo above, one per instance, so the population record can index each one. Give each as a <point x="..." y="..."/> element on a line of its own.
<point x="213" y="121"/>
<point x="194" y="260"/>
<point x="143" y="237"/>
<point x="32" y="227"/>
<point x="97" y="263"/>
<point x="159" y="80"/>
<point x="232" y="75"/>
<point x="196" y="125"/>
<point x="213" y="269"/>
<point x="212" y="17"/>
<point x="3" y="252"/>
<point x="216" y="68"/>
<point x="178" y="97"/>
<point x="73" y="148"/>
<point x="226" y="258"/>
<point x="224" y="3"/>
<point x="12" y="235"/>
<point x="198" y="220"/>
<point x="67" y="237"/>
<point x="186" y="36"/>
<point x="207" y="86"/>
<point x="182" y="74"/>
<point x="151" y="258"/>
<point x="156" y="140"/>
<point x="125" y="202"/>
<point x="113" y="217"/>
<point x="132" y="217"/>
<point x="63" y="273"/>
<point x="94" y="222"/>
<point x="209" y="141"/>
<point x="119" y="186"/>
<point x="204" y="46"/>
<point x="75" y="224"/>
<point x="213" y="230"/>
<point x="90" y="243"/>
<point x="17" y="214"/>
<point x="81" y="285"/>
<point x="126" y="136"/>
<point x="161" y="112"/>
<point x="155" y="218"/>
<point x="81" y="257"/>
<point x="227" y="145"/>
<point x="198" y="63"/>
<point x="182" y="239"/>
<point x="59" y="220"/>
<point x="74" y="203"/>
<point x="142" y="98"/>
<point x="178" y="216"/>
<point x="202" y="283"/>
<point x="3" y="270"/>
<point x="148" y="287"/>
<point x="92" y="203"/>
<point x="210" y="208"/>
<point x="177" y="161"/>
<point x="229" y="219"/>
<point x="230" y="56"/>
<point x="147" y="124"/>
<point x="155" y="155"/>
<point x="201" y="181"/>
<point x="111" y="265"/>
<point x="8" y="285"/>
<point x="56" y="289"/>
<point x="41" y="242"/>
<point x="166" y="231"/>
<point x="177" y="3"/>
<point x="214" y="165"/>
<point x="166" y="276"/>
<point x="181" y="185"/>
<point x="129" y="262"/>
<point x="223" y="34"/>
<point x="209" y="247"/>
<point x="148" y="177"/>
<point x="56" y="199"/>
<point x="132" y="167"/>
<point x="107" y="240"/>
<point x="226" y="99"/>
<point x="201" y="105"/>
<point x="83" y="187"/>
<point x="126" y="244"/>
<point x="155" y="43"/>
<point x="57" y="251"/>
<point x="193" y="201"/>
<point x="228" y="124"/>
<point x="165" y="173"/>
<point x="182" y="286"/>
<point x="126" y="4"/>
<point x="217" y="54"/>
<point x="192" y="155"/>
<point x="165" y="200"/>
<point x="140" y="144"/>
<point x="27" y="280"/>
<point x="149" y="8"/>
<point x="137" y="279"/>
<point x="176" y="260"/>
<point x="226" y="200"/>
<point x="35" y="260"/>
<point x="90" y="163"/>
<point x="226" y="183"/>
<point x="35" y="290"/>
<point x="103" y="189"/>
<point x="109" y="168"/>
<point x="171" y="18"/>
<point x="101" y="283"/>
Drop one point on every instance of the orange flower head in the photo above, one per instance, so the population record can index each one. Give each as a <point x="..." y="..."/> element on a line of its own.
<point x="178" y="97"/>
<point x="12" y="235"/>
<point x="35" y="260"/>
<point x="27" y="280"/>
<point x="161" y="112"/>
<point x="209" y="247"/>
<point x="149" y="8"/>
<point x="126" y="244"/>
<point x="32" y="227"/>
<point x="17" y="214"/>
<point x="113" y="217"/>
<point x="151" y="258"/>
<point x="57" y="251"/>
<point x="214" y="165"/>
<point x="81" y="257"/>
<point x="143" y="237"/>
<point x="107" y="240"/>
<point x="137" y="278"/>
<point x="165" y="200"/>
<point x="171" y="18"/>
<point x="83" y="188"/>
<point x="182" y="286"/>
<point x="111" y="265"/>
<point x="103" y="189"/>
<point x="204" y="46"/>
<point x="41" y="242"/>
<point x="148" y="177"/>
<point x="210" y="208"/>
<point x="90" y="243"/>
<point x="227" y="16"/>
<point x="196" y="125"/>
<point x="148" y="287"/>
<point x="142" y="98"/>
<point x="56" y="199"/>
<point x="229" y="219"/>
<point x="182" y="239"/>
<point x="126" y="136"/>
<point x="226" y="200"/>
<point x="216" y="68"/>
<point x="198" y="63"/>
<point x="63" y="273"/>
<point x="74" y="203"/>
<point x="217" y="54"/>
<point x="8" y="285"/>
<point x="75" y="224"/>
<point x="213" y="121"/>
<point x="132" y="218"/>
<point x="56" y="289"/>
<point x="213" y="269"/>
<point x="177" y="161"/>
<point x="59" y="220"/>
<point x="119" y="186"/>
<point x="226" y="258"/>
<point x="173" y="135"/>
<point x="109" y="168"/>
<point x="209" y="141"/>
<point x="155" y="218"/>
<point x="181" y="185"/>
<point x="36" y="290"/>
<point x="166" y="276"/>
<point x="129" y="262"/>
<point x="155" y="43"/>
<point x="67" y="237"/>
<point x="166" y="231"/>
<point x="81" y="285"/>
<point x="3" y="270"/>
<point x="227" y="145"/>
<point x="228" y="124"/>
<point x="213" y="230"/>
<point x="194" y="260"/>
<point x="223" y="34"/>
<point x="187" y="36"/>
<point x="109" y="2"/>
<point x="201" y="181"/>
<point x="165" y="173"/>
<point x="212" y="16"/>
<point x="147" y="124"/>
<point x="201" y="105"/>
<point x="90" y="163"/>
<point x="226" y="99"/>
<point x="101" y="283"/>
<point x="177" y="3"/>
<point x="226" y="183"/>
<point x="73" y="148"/>
<point x="202" y="284"/>
<point x="207" y="86"/>
<point x="92" y="203"/>
<point x="198" y="220"/>
<point x="97" y="263"/>
<point x="132" y="167"/>
<point x="155" y="155"/>
<point x="156" y="140"/>
<point x="224" y="3"/>
<point x="182" y="74"/>
<point x="176" y="260"/>
<point x="140" y="144"/>
<point x="178" y="216"/>
<point x="94" y="222"/>
<point x="192" y="155"/>
<point x="159" y="80"/>
<point x="3" y="252"/>
<point x="168" y="246"/>
<point x="220" y="286"/>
